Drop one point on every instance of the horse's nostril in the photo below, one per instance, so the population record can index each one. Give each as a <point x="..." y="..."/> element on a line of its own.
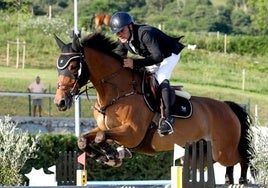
<point x="62" y="103"/>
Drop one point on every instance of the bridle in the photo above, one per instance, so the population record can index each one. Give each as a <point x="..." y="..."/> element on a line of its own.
<point x="80" y="80"/>
<point x="63" y="70"/>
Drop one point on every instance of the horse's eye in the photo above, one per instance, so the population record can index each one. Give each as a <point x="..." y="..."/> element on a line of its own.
<point x="73" y="67"/>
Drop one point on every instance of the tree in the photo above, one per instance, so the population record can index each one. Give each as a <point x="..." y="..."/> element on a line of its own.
<point x="222" y="20"/>
<point x="22" y="6"/>
<point x="258" y="14"/>
<point x="241" y="22"/>
<point x="238" y="4"/>
<point x="156" y="7"/>
<point x="16" y="148"/>
<point x="103" y="6"/>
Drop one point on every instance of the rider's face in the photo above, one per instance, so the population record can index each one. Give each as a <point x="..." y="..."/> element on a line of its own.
<point x="124" y="34"/>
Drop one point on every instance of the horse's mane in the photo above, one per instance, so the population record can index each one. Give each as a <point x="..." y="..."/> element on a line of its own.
<point x="100" y="42"/>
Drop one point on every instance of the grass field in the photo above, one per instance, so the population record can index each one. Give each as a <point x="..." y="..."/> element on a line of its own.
<point x="214" y="75"/>
<point x="218" y="3"/>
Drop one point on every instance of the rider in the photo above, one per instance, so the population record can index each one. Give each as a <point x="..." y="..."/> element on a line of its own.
<point x="160" y="54"/>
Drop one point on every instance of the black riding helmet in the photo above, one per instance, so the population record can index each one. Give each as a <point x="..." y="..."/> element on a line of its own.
<point x="119" y="20"/>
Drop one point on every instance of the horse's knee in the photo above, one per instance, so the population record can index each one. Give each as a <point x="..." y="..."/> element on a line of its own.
<point x="100" y="137"/>
<point x="82" y="143"/>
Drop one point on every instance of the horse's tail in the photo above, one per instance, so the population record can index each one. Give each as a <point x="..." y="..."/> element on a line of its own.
<point x="245" y="146"/>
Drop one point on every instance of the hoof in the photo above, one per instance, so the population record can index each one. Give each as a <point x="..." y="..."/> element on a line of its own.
<point x="110" y="152"/>
<point x="243" y="180"/>
<point x="114" y="163"/>
<point x="228" y="180"/>
<point x="102" y="159"/>
<point x="82" y="143"/>
<point x="124" y="153"/>
<point x="100" y="137"/>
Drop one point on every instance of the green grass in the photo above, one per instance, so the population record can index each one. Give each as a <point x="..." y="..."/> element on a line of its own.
<point x="214" y="75"/>
<point x="219" y="3"/>
<point x="17" y="80"/>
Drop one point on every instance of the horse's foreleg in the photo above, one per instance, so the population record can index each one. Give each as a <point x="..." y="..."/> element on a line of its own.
<point x="104" y="154"/>
<point x="229" y="176"/>
<point x="85" y="144"/>
<point x="91" y="151"/>
<point x="86" y="139"/>
<point x="94" y="143"/>
<point x="112" y="152"/>
<point x="99" y="141"/>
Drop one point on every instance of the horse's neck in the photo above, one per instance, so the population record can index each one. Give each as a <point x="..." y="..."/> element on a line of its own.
<point x="100" y="65"/>
<point x="109" y="78"/>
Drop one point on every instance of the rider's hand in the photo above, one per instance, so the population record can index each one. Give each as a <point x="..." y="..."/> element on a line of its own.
<point x="128" y="62"/>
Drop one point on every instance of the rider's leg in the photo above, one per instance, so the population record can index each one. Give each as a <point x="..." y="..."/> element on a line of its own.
<point x="163" y="75"/>
<point x="166" y="125"/>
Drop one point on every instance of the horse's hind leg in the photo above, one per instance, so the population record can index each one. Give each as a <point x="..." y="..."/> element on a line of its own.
<point x="244" y="169"/>
<point x="229" y="176"/>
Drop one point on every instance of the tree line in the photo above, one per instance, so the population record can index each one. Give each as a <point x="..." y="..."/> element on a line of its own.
<point x="231" y="17"/>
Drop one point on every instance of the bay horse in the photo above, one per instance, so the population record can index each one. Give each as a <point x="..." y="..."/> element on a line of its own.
<point x="100" y="20"/>
<point x="124" y="119"/>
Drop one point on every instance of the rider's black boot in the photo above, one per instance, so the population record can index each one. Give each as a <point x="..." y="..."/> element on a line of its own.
<point x="166" y="123"/>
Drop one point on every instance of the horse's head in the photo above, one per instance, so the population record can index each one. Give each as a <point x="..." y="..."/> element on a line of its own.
<point x="73" y="73"/>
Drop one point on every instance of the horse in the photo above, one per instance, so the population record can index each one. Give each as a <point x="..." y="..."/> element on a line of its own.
<point x="126" y="123"/>
<point x="100" y="20"/>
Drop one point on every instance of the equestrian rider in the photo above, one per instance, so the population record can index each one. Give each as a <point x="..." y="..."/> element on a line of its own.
<point x="160" y="54"/>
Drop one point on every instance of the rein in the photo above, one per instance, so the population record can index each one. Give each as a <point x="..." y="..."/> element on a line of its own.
<point x="114" y="100"/>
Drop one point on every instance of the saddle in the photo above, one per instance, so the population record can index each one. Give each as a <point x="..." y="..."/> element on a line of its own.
<point x="181" y="108"/>
<point x="181" y="104"/>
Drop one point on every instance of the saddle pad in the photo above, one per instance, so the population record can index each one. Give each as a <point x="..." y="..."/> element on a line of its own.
<point x="182" y="108"/>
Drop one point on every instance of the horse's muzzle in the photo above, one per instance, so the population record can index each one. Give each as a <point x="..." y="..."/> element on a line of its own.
<point x="62" y="104"/>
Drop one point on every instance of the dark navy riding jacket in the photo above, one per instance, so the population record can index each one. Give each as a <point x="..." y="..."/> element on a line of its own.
<point x="150" y="43"/>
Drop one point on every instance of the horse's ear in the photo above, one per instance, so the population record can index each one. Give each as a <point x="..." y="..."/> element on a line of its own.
<point x="76" y="43"/>
<point x="59" y="42"/>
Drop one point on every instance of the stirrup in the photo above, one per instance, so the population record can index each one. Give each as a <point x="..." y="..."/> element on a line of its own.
<point x="168" y="126"/>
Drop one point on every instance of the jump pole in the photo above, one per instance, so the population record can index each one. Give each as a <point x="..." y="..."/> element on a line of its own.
<point x="176" y="176"/>
<point x="81" y="174"/>
<point x="176" y="171"/>
<point x="77" y="98"/>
